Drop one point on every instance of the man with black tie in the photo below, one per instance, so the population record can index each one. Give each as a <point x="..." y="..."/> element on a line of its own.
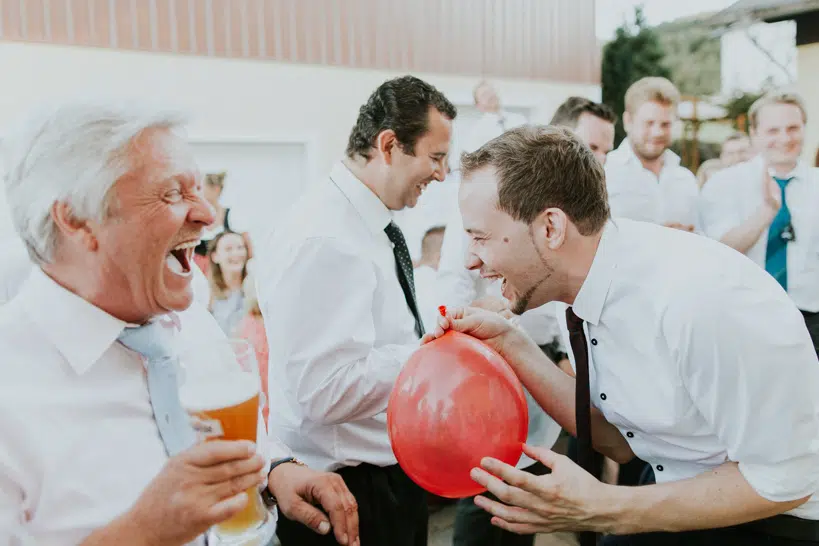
<point x="673" y="361"/>
<point x="336" y="289"/>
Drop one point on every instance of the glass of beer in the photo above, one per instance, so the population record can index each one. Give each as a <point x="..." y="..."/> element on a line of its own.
<point x="221" y="390"/>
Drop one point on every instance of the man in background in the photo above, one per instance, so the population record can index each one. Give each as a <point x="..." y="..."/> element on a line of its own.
<point x="736" y="148"/>
<point x="426" y="275"/>
<point x="767" y="207"/>
<point x="494" y="120"/>
<point x="644" y="178"/>
<point x="337" y="292"/>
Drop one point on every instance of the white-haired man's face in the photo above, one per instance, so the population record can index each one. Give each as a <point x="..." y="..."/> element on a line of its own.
<point x="145" y="246"/>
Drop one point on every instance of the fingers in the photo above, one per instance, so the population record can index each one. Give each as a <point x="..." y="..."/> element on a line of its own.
<point x="342" y="508"/>
<point x="218" y="452"/>
<point x="227" y="508"/>
<point x="509" y="494"/>
<point x="546" y="456"/>
<point x="240" y="467"/>
<point x="510" y="514"/>
<point x="235" y="485"/>
<point x="310" y="516"/>
<point x="520" y="528"/>
<point x="505" y="472"/>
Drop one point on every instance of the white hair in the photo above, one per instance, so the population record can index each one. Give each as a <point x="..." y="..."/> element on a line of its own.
<point x="72" y="153"/>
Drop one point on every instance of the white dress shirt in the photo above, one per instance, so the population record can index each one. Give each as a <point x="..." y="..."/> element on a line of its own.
<point x="78" y="441"/>
<point x="337" y="323"/>
<point x="489" y="126"/>
<point x="426" y="293"/>
<point x="15" y="265"/>
<point x="733" y="194"/>
<point x="683" y="366"/>
<point x="459" y="287"/>
<point x="637" y="193"/>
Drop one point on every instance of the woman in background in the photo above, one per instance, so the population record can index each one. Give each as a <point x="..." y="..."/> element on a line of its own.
<point x="225" y="220"/>
<point x="251" y="329"/>
<point x="227" y="255"/>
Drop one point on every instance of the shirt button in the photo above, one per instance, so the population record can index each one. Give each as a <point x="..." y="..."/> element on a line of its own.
<point x="630" y="434"/>
<point x="660" y="467"/>
<point x="603" y="396"/>
<point x="594" y="341"/>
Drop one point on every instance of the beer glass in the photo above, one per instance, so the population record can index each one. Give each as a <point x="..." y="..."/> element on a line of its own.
<point x="221" y="390"/>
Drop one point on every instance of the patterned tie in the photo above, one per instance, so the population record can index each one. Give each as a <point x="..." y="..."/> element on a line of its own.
<point x="153" y="341"/>
<point x="776" y="255"/>
<point x="405" y="276"/>
<point x="582" y="401"/>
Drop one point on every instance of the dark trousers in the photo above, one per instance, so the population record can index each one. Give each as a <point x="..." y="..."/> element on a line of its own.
<point x="392" y="510"/>
<point x="812" y="322"/>
<point x="473" y="526"/>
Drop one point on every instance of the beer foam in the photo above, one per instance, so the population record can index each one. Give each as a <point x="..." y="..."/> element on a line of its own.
<point x="218" y="391"/>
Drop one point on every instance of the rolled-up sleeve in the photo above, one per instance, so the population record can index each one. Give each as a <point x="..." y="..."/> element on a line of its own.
<point x="750" y="368"/>
<point x="318" y="310"/>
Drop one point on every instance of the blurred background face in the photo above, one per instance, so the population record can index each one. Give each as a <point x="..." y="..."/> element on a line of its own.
<point x="779" y="134"/>
<point x="735" y="151"/>
<point x="213" y="193"/>
<point x="649" y="129"/>
<point x="486" y="98"/>
<point x="597" y="133"/>
<point x="230" y="253"/>
<point x="409" y="175"/>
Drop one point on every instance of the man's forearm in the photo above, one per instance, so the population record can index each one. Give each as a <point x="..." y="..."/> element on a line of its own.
<point x="554" y="391"/>
<point x="719" y="498"/>
<point x="744" y="236"/>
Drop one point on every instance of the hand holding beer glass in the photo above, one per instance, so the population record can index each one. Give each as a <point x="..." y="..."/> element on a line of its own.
<point x="223" y="397"/>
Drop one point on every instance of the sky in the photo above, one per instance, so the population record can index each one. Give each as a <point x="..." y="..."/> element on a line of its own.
<point x="611" y="13"/>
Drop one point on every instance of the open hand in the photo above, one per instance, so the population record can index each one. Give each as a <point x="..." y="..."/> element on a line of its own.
<point x="568" y="499"/>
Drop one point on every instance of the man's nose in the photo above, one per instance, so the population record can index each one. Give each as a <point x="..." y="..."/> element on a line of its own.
<point x="202" y="212"/>
<point x="472" y="262"/>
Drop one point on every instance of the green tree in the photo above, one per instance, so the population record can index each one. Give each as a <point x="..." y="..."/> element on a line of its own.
<point x="635" y="52"/>
<point x="692" y="55"/>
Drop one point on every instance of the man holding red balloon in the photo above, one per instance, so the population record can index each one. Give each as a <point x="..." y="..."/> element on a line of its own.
<point x="337" y="293"/>
<point x="675" y="361"/>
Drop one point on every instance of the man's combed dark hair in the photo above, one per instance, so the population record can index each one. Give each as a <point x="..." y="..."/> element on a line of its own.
<point x="544" y="167"/>
<point x="402" y="105"/>
<point x="569" y="112"/>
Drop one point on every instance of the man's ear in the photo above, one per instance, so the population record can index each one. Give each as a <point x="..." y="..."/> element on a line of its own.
<point x="554" y="225"/>
<point x="385" y="144"/>
<point x="72" y="228"/>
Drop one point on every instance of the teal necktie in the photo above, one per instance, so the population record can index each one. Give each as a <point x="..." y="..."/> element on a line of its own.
<point x="153" y="341"/>
<point x="776" y="262"/>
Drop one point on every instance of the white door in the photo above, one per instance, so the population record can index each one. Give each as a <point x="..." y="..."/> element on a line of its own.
<point x="263" y="178"/>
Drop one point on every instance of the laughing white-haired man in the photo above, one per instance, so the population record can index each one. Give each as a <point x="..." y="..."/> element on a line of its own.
<point x="108" y="202"/>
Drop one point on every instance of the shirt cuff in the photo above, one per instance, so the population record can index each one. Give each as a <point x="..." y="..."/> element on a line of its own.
<point x="784" y="481"/>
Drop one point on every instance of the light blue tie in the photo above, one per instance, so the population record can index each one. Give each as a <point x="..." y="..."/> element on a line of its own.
<point x="153" y="341"/>
<point x="776" y="254"/>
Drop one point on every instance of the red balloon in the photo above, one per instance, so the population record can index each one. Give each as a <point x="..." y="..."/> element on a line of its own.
<point x="455" y="401"/>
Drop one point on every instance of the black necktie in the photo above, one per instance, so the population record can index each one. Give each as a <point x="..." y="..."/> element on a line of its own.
<point x="403" y="265"/>
<point x="582" y="403"/>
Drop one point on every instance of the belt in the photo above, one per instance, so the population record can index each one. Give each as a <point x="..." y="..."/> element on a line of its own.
<point x="784" y="526"/>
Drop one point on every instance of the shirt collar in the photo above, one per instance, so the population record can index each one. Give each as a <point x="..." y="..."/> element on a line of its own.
<point x="80" y="331"/>
<point x="625" y="154"/>
<point x="369" y="206"/>
<point x="800" y="172"/>
<point x="588" y="305"/>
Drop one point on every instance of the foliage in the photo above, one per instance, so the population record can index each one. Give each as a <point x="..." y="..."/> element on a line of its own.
<point x="692" y="55"/>
<point x="634" y="53"/>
